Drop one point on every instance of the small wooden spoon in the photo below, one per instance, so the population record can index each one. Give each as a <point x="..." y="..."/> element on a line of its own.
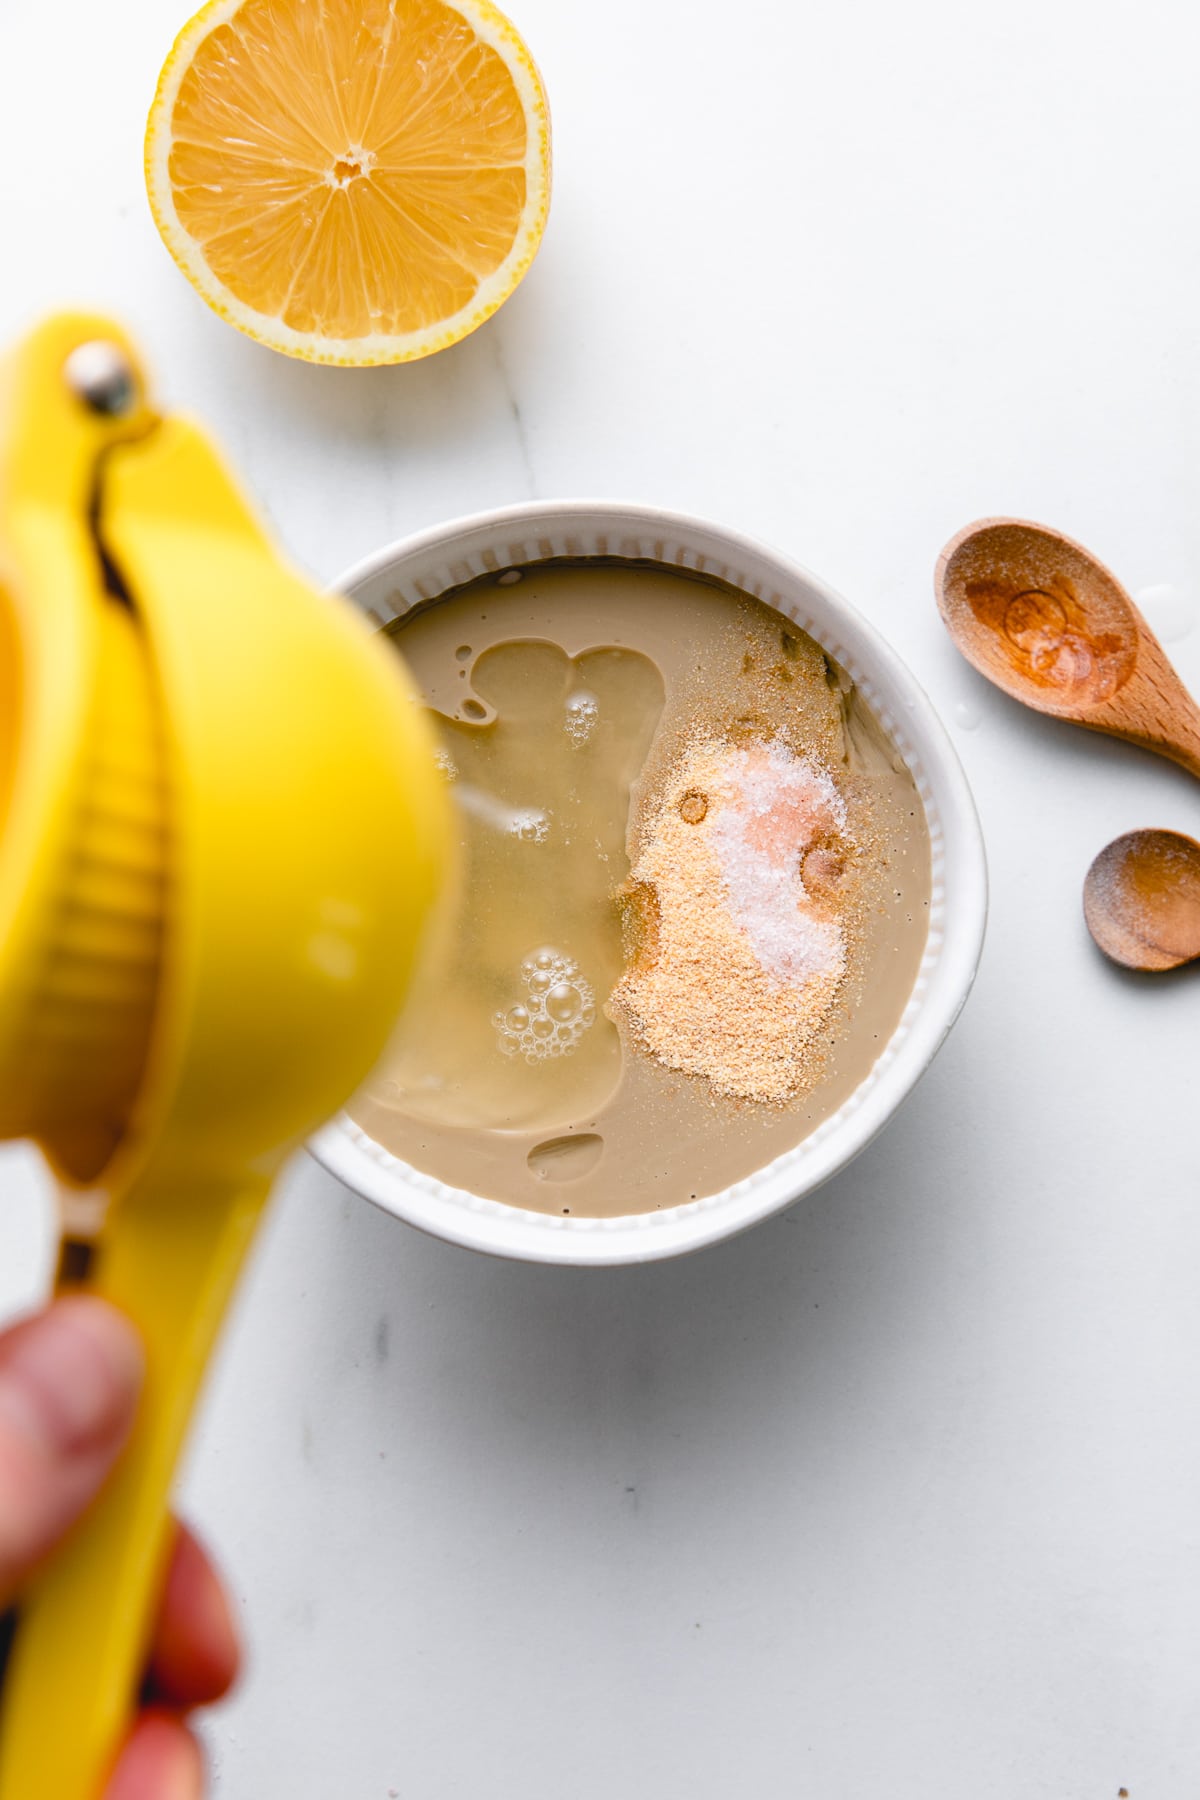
<point x="1047" y="623"/>
<point x="1141" y="899"/>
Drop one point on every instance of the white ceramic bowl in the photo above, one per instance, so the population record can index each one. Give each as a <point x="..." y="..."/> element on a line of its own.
<point x="420" y="568"/>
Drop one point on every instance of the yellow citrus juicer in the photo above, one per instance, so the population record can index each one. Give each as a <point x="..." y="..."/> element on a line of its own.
<point x="221" y="832"/>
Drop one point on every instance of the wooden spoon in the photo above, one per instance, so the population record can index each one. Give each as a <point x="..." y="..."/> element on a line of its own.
<point x="1047" y="623"/>
<point x="1141" y="899"/>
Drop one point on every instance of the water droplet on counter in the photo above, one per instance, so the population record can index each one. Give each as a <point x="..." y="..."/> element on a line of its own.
<point x="966" y="717"/>
<point x="1170" y="609"/>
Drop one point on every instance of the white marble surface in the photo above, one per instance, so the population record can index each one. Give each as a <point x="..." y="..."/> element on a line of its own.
<point x="899" y="1494"/>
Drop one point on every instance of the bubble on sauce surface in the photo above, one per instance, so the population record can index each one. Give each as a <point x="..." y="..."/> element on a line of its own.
<point x="583" y="710"/>
<point x="530" y="825"/>
<point x="559" y="1006"/>
<point x="564" y="1002"/>
<point x="566" y="1158"/>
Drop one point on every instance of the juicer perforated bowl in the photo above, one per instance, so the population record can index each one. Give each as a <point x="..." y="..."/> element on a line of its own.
<point x="419" y="569"/>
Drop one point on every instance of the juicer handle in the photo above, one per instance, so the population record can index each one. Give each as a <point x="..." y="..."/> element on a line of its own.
<point x="83" y="1629"/>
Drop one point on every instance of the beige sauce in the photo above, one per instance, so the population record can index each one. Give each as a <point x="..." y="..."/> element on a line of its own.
<point x="568" y="703"/>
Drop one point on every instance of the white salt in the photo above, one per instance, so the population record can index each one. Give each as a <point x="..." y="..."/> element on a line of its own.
<point x="781" y="805"/>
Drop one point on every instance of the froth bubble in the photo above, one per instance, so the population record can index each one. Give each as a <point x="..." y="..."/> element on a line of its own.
<point x="583" y="709"/>
<point x="557" y="1010"/>
<point x="562" y="1002"/>
<point x="531" y="826"/>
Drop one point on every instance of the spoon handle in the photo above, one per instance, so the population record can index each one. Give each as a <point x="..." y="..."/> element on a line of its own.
<point x="1180" y="745"/>
<point x="1187" y="759"/>
<point x="1155" y="709"/>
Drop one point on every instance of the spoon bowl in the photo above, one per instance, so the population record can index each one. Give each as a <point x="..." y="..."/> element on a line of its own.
<point x="1141" y="900"/>
<point x="1036" y="614"/>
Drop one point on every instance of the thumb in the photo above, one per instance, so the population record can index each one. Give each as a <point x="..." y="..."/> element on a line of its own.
<point x="69" y="1383"/>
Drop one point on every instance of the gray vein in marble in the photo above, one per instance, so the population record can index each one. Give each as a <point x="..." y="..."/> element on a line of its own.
<point x="515" y="409"/>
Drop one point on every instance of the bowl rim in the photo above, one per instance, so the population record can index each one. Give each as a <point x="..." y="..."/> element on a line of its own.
<point x="956" y="932"/>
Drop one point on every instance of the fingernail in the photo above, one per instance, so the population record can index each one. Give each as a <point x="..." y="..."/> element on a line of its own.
<point x="70" y="1378"/>
<point x="161" y="1758"/>
<point x="186" y="1778"/>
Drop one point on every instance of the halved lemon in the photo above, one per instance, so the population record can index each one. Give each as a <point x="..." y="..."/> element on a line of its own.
<point x="350" y="181"/>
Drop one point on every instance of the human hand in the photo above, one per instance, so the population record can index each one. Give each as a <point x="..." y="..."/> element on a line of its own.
<point x="69" y="1384"/>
